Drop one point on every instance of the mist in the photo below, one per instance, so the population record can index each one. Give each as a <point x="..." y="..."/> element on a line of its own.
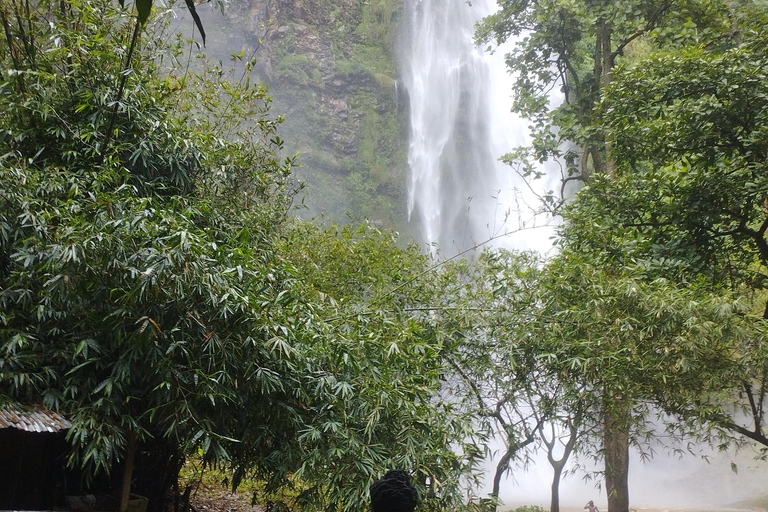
<point x="705" y="481"/>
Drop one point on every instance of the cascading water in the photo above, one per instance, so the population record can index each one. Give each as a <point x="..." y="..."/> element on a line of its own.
<point x="459" y="193"/>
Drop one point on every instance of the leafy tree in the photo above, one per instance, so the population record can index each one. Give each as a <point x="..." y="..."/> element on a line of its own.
<point x="710" y="185"/>
<point x="629" y="341"/>
<point x="492" y="374"/>
<point x="613" y="343"/>
<point x="590" y="347"/>
<point x="693" y="208"/>
<point x="491" y="314"/>
<point x="383" y="405"/>
<point x="121" y="284"/>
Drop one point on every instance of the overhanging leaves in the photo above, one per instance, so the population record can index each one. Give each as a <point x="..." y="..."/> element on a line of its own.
<point x="196" y="17"/>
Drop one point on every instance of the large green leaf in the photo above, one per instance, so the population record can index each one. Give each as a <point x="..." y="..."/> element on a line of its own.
<point x="143" y="8"/>
<point x="196" y="17"/>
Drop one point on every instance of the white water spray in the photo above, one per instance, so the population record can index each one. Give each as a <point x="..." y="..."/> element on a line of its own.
<point x="460" y="99"/>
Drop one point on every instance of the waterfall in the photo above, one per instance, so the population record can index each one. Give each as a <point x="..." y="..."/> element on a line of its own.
<point x="459" y="194"/>
<point x="397" y="95"/>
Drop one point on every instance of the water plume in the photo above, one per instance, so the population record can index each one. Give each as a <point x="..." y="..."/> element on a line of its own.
<point x="459" y="193"/>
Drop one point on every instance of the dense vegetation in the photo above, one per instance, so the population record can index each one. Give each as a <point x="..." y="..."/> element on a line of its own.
<point x="655" y="302"/>
<point x="155" y="289"/>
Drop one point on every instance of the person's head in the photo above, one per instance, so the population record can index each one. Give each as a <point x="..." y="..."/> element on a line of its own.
<point x="393" y="493"/>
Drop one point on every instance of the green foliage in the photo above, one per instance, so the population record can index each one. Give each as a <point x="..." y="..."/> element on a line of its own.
<point x="154" y="285"/>
<point x="380" y="408"/>
<point x="122" y="280"/>
<point x="655" y="297"/>
<point x="625" y="335"/>
<point x="489" y="316"/>
<point x="529" y="508"/>
<point x="694" y="207"/>
<point x="707" y="189"/>
<point x="143" y="9"/>
<point x="573" y="47"/>
<point x="687" y="203"/>
<point x="570" y="340"/>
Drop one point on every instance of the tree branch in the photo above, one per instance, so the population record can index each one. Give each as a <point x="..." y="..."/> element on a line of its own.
<point x="728" y="424"/>
<point x="650" y="25"/>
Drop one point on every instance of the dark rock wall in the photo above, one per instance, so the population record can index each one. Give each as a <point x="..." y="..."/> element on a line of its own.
<point x="332" y="71"/>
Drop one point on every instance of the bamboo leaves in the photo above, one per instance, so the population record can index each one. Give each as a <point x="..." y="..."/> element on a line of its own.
<point x="143" y="10"/>
<point x="196" y="18"/>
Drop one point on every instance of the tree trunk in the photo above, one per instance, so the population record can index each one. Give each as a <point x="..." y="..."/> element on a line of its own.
<point x="503" y="464"/>
<point x="558" y="465"/>
<point x="616" y="446"/>
<point x="604" y="38"/>
<point x="603" y="64"/>
<point x="733" y="20"/>
<point x="554" y="505"/>
<point x="501" y="467"/>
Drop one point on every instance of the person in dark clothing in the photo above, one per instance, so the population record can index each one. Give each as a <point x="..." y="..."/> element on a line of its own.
<point x="393" y="493"/>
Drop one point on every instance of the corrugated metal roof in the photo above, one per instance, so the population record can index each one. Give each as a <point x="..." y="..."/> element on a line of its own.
<point x="31" y="418"/>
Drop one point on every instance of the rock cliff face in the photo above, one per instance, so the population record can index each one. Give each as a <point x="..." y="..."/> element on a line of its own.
<point x="332" y="70"/>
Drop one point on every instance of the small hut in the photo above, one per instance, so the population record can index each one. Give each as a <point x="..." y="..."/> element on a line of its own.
<point x="32" y="457"/>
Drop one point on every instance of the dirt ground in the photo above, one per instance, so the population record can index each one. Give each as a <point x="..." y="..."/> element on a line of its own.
<point x="215" y="498"/>
<point x="209" y="498"/>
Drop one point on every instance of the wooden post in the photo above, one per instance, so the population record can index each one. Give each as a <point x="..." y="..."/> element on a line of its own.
<point x="125" y="490"/>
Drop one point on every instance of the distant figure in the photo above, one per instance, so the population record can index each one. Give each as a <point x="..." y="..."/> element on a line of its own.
<point x="591" y="506"/>
<point x="393" y="493"/>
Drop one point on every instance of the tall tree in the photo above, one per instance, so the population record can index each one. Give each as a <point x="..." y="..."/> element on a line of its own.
<point x="628" y="341"/>
<point x="492" y="316"/>
<point x="693" y="209"/>
<point x="574" y="47"/>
